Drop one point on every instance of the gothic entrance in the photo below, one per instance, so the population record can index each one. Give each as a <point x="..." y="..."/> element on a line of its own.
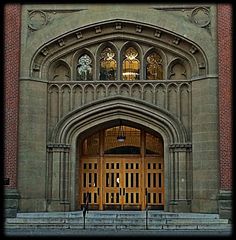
<point x="121" y="168"/>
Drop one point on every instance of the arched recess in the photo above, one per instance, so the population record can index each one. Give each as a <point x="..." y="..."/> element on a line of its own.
<point x="107" y="113"/>
<point x="178" y="70"/>
<point x="59" y="71"/>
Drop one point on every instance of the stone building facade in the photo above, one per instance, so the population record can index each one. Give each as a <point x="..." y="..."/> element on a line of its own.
<point x="82" y="71"/>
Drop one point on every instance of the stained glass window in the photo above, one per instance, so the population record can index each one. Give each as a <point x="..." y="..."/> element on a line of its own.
<point x="84" y="68"/>
<point x="131" y="65"/>
<point x="154" y="70"/>
<point x="108" y="65"/>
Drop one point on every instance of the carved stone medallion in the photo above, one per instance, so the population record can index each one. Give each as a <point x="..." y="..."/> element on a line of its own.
<point x="201" y="16"/>
<point x="37" y="19"/>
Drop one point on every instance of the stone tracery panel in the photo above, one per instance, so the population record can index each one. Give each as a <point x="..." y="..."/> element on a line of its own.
<point x="136" y="91"/>
<point x="65" y="100"/>
<point x="77" y="95"/>
<point x="89" y="93"/>
<point x="100" y="91"/>
<point x="174" y="97"/>
<point x="53" y="106"/>
<point x="160" y="95"/>
<point x="124" y="90"/>
<point x="185" y="107"/>
<point x="148" y="93"/>
<point x="112" y="90"/>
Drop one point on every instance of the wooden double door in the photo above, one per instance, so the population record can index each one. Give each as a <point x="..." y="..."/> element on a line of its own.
<point x="122" y="182"/>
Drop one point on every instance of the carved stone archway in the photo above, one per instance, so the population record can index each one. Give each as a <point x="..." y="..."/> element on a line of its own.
<point x="96" y="115"/>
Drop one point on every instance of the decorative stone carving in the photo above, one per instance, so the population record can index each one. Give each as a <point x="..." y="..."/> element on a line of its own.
<point x="118" y="26"/>
<point x="138" y="29"/>
<point x="57" y="145"/>
<point x="79" y="35"/>
<point x="201" y="16"/>
<point x="37" y="20"/>
<point x="201" y="65"/>
<point x="44" y="51"/>
<point x="180" y="146"/>
<point x="176" y="40"/>
<point x="36" y="67"/>
<point x="61" y="42"/>
<point x="98" y="29"/>
<point x="193" y="49"/>
<point x="157" y="33"/>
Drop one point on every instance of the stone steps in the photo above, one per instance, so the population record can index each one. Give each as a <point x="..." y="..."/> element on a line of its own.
<point x="129" y="220"/>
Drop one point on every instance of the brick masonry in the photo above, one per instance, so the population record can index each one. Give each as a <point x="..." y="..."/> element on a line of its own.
<point x="225" y="94"/>
<point x="12" y="17"/>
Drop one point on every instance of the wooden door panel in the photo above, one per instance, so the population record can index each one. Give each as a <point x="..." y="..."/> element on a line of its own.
<point x="112" y="184"/>
<point x="90" y="182"/>
<point x="132" y="175"/>
<point x="154" y="182"/>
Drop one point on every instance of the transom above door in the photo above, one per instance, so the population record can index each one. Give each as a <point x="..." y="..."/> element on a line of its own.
<point x="122" y="175"/>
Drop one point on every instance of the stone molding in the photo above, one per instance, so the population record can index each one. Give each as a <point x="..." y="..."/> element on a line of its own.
<point x="95" y="32"/>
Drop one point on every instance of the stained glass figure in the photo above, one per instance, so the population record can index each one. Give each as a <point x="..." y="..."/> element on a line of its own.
<point x="84" y="68"/>
<point x="108" y="65"/>
<point x="131" y="65"/>
<point x="154" y="70"/>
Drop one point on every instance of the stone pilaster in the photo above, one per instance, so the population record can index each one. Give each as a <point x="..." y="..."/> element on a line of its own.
<point x="181" y="177"/>
<point x="58" y="177"/>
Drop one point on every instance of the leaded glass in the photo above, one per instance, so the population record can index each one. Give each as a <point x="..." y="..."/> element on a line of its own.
<point x="108" y="65"/>
<point x="84" y="68"/>
<point x="154" y="70"/>
<point x="131" y="65"/>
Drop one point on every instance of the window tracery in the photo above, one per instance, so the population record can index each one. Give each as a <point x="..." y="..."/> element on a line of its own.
<point x="111" y="64"/>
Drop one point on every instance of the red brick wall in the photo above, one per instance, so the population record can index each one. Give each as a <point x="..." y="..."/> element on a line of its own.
<point x="225" y="95"/>
<point x="12" y="13"/>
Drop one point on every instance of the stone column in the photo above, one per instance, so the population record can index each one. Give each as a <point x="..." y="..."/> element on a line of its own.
<point x="181" y="177"/>
<point x="58" y="177"/>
